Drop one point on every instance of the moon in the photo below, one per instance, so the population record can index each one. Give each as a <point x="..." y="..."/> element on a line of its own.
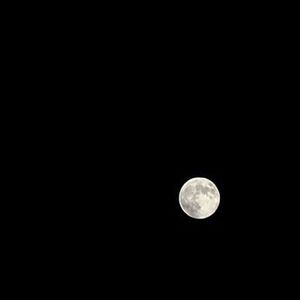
<point x="199" y="198"/>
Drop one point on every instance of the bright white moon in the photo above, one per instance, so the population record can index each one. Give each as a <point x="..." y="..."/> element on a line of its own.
<point x="199" y="198"/>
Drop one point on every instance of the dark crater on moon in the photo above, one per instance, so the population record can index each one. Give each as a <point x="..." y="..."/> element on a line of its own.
<point x="204" y="189"/>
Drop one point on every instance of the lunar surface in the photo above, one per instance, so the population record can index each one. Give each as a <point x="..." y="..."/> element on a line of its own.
<point x="199" y="198"/>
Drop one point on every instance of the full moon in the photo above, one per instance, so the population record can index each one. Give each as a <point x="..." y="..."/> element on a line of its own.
<point x="199" y="198"/>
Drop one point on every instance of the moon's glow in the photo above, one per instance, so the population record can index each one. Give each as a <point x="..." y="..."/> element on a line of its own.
<point x="199" y="198"/>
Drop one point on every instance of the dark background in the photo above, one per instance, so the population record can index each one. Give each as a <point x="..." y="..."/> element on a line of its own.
<point x="122" y="116"/>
